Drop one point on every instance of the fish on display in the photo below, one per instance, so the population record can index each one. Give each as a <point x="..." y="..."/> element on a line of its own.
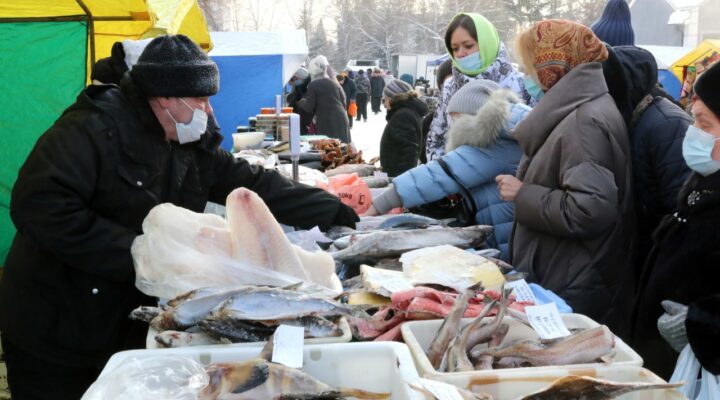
<point x="362" y="170"/>
<point x="260" y="379"/>
<point x="587" y="388"/>
<point x="183" y="339"/>
<point x="586" y="346"/>
<point x="238" y="331"/>
<point x="385" y="244"/>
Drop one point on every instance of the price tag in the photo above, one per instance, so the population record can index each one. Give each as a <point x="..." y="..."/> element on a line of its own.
<point x="441" y="391"/>
<point x="398" y="284"/>
<point x="546" y="321"/>
<point x="380" y="175"/>
<point x="521" y="290"/>
<point x="288" y="346"/>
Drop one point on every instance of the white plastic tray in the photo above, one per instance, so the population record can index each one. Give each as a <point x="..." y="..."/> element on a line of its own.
<point x="419" y="334"/>
<point x="378" y="367"/>
<point x="346" y="336"/>
<point x="515" y="384"/>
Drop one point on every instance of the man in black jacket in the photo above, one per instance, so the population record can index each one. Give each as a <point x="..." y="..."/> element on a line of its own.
<point x="80" y="200"/>
<point x="377" y="85"/>
<point x="350" y="93"/>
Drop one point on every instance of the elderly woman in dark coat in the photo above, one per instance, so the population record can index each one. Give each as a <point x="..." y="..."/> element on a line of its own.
<point x="574" y="217"/>
<point x="683" y="266"/>
<point x="325" y="98"/>
<point x="400" y="142"/>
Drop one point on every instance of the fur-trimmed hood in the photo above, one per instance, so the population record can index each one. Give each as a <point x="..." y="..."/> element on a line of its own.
<point x="495" y="118"/>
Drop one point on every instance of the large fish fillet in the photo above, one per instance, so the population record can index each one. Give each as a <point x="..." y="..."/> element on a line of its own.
<point x="257" y="238"/>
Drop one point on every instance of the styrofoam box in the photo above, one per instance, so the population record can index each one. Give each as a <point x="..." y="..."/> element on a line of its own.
<point x="419" y="334"/>
<point x="346" y="336"/>
<point x="515" y="384"/>
<point x="374" y="366"/>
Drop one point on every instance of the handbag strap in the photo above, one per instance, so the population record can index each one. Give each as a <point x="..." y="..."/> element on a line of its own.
<point x="465" y="192"/>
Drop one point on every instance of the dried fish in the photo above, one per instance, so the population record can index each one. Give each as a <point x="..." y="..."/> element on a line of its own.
<point x="450" y="326"/>
<point x="182" y="339"/>
<point x="587" y="388"/>
<point x="456" y="354"/>
<point x="583" y="347"/>
<point x="485" y="362"/>
<point x="259" y="379"/>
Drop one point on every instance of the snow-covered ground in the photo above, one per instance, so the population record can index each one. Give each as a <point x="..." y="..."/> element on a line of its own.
<point x="366" y="135"/>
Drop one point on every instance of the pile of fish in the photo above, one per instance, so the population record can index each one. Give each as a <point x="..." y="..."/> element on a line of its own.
<point x="181" y="250"/>
<point x="588" y="388"/>
<point x="241" y="314"/>
<point x="422" y="303"/>
<point x="479" y="344"/>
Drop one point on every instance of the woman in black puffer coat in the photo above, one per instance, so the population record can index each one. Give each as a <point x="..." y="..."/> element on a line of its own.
<point x="400" y="142"/>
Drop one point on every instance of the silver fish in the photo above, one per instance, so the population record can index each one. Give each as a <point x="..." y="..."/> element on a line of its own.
<point x="587" y="388"/>
<point x="182" y="339"/>
<point x="393" y="243"/>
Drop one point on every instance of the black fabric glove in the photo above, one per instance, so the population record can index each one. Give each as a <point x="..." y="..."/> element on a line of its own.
<point x="346" y="216"/>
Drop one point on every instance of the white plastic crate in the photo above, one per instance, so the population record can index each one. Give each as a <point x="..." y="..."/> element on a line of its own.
<point x="419" y="334"/>
<point x="345" y="337"/>
<point x="378" y="367"/>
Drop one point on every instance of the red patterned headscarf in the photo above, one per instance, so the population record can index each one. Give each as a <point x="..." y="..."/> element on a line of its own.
<point x="560" y="46"/>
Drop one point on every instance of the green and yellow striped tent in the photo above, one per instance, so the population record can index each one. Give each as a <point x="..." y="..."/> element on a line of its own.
<point x="47" y="48"/>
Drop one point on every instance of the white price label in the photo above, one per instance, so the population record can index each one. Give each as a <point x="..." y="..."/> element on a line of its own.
<point x="521" y="290"/>
<point x="380" y="175"/>
<point x="398" y="284"/>
<point x="441" y="391"/>
<point x="546" y="321"/>
<point x="288" y="346"/>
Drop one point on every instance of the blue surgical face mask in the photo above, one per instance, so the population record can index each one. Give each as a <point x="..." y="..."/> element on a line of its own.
<point x="697" y="151"/>
<point x="193" y="130"/>
<point x="469" y="63"/>
<point x="533" y="89"/>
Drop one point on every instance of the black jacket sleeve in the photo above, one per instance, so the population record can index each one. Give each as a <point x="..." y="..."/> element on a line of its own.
<point x="291" y="203"/>
<point x="51" y="200"/>
<point x="703" y="330"/>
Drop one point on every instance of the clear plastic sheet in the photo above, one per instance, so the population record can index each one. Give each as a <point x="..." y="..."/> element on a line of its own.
<point x="160" y="377"/>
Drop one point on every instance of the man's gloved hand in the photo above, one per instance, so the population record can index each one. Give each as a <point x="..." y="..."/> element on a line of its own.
<point x="672" y="324"/>
<point x="345" y="216"/>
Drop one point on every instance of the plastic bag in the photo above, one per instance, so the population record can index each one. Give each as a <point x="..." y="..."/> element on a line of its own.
<point x="687" y="369"/>
<point x="352" y="109"/>
<point x="181" y="251"/>
<point x="160" y="377"/>
<point x="352" y="191"/>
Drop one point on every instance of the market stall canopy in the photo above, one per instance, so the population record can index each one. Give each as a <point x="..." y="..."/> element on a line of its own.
<point x="437" y="61"/>
<point x="254" y="68"/>
<point x="704" y="50"/>
<point x="47" y="49"/>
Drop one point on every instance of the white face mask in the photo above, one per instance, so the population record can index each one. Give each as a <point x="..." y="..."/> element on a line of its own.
<point x="193" y="130"/>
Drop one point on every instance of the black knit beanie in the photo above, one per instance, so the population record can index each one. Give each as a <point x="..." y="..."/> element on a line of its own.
<point x="615" y="25"/>
<point x="707" y="88"/>
<point x="174" y="66"/>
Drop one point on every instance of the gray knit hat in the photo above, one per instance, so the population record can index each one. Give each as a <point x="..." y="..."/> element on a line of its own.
<point x="396" y="87"/>
<point x="174" y="66"/>
<point x="472" y="96"/>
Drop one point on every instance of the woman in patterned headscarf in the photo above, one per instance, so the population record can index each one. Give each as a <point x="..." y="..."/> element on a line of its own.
<point x="476" y="53"/>
<point x="574" y="220"/>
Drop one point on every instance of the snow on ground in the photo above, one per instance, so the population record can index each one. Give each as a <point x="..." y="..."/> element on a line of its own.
<point x="366" y="135"/>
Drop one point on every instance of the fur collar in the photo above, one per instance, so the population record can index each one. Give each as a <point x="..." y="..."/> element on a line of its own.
<point x="484" y="128"/>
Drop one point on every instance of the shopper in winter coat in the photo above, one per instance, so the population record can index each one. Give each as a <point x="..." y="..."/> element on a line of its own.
<point x="477" y="53"/>
<point x="325" y="99"/>
<point x="657" y="128"/>
<point x="574" y="219"/>
<point x="350" y="93"/>
<point x="400" y="141"/>
<point x="80" y="200"/>
<point x="683" y="264"/>
<point x="363" y="94"/>
<point x="377" y="85"/>
<point x="480" y="147"/>
<point x="300" y="81"/>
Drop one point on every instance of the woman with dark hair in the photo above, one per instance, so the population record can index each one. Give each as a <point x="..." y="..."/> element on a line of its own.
<point x="476" y="53"/>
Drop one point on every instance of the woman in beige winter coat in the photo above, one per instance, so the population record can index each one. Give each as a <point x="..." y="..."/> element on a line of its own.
<point x="573" y="200"/>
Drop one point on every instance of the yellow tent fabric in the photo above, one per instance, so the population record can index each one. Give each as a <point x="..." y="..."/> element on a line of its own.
<point x="118" y="20"/>
<point x="703" y="50"/>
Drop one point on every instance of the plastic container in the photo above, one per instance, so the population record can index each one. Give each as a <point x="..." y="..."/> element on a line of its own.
<point x="346" y="336"/>
<point x="419" y="334"/>
<point x="248" y="140"/>
<point x="514" y="385"/>
<point x="379" y="367"/>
